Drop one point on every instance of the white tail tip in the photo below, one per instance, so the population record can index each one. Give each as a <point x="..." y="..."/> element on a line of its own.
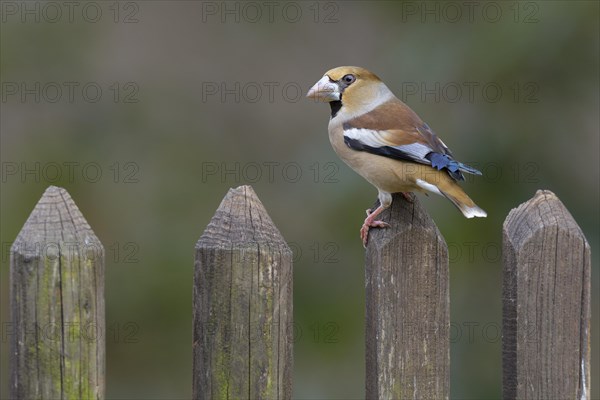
<point x="471" y="212"/>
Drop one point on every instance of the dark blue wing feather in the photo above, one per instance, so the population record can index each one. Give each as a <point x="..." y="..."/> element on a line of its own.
<point x="454" y="168"/>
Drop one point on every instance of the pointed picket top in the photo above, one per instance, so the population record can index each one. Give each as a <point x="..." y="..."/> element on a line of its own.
<point x="55" y="219"/>
<point x="241" y="219"/>
<point x="541" y="211"/>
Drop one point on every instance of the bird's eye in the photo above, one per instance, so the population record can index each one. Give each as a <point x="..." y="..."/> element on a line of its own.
<point x="348" y="79"/>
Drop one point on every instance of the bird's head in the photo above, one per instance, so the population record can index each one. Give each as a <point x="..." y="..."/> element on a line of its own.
<point x="355" y="89"/>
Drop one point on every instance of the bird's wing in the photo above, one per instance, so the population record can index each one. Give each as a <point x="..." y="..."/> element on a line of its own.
<point x="394" y="130"/>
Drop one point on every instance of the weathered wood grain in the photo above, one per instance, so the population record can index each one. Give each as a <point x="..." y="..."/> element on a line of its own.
<point x="242" y="304"/>
<point x="408" y="307"/>
<point x="57" y="348"/>
<point x="546" y="303"/>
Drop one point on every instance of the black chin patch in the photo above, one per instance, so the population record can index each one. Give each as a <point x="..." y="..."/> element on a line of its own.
<point x="335" y="107"/>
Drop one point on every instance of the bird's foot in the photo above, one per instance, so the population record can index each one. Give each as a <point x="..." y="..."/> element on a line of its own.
<point x="364" y="230"/>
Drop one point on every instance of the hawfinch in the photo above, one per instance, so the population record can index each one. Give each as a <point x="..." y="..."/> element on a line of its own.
<point x="385" y="142"/>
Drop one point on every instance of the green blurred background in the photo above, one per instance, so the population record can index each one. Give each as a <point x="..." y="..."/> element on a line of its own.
<point x="192" y="90"/>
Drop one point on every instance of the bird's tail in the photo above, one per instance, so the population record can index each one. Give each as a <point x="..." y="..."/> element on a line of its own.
<point x="455" y="194"/>
<point x="466" y="205"/>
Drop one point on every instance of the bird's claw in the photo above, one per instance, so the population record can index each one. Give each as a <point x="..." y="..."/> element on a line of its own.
<point x="364" y="230"/>
<point x="379" y="224"/>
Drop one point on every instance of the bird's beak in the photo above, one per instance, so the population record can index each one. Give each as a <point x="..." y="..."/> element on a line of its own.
<point x="324" y="90"/>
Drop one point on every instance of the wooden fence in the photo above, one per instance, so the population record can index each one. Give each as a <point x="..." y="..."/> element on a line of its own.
<point x="242" y="330"/>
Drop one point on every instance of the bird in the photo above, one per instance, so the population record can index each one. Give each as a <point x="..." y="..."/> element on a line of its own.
<point x="386" y="142"/>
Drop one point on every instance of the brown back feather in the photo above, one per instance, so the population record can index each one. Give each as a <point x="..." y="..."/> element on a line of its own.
<point x="402" y="124"/>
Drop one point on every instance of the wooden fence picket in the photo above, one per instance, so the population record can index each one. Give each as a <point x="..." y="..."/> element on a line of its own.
<point x="408" y="307"/>
<point x="57" y="348"/>
<point x="546" y="303"/>
<point x="242" y="304"/>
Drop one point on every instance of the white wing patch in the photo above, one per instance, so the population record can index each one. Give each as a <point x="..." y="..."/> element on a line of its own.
<point x="366" y="136"/>
<point x="375" y="139"/>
